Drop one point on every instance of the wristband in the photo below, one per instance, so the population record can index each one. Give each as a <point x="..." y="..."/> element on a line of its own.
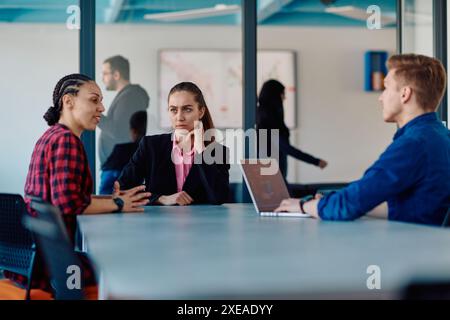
<point x="303" y="201"/>
<point x="119" y="203"/>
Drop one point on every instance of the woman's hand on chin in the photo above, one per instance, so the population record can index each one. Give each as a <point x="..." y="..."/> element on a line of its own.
<point x="199" y="133"/>
<point x="184" y="139"/>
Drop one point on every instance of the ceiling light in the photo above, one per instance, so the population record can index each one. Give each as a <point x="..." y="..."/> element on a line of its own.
<point x="218" y="10"/>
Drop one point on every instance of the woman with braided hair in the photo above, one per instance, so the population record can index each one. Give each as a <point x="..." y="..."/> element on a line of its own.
<point x="59" y="171"/>
<point x="67" y="182"/>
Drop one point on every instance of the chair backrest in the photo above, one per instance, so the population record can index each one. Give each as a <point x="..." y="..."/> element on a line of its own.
<point x="17" y="248"/>
<point x="54" y="244"/>
<point x="446" y="222"/>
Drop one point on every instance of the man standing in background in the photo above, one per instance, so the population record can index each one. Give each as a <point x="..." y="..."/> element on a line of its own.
<point x="130" y="98"/>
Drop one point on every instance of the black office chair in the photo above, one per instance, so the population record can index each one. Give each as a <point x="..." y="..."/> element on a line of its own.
<point x="446" y="222"/>
<point x="17" y="247"/>
<point x="54" y="244"/>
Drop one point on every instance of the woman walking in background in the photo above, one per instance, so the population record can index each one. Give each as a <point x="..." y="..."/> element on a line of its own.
<point x="270" y="115"/>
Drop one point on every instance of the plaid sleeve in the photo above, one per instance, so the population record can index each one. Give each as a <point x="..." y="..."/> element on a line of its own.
<point x="67" y="169"/>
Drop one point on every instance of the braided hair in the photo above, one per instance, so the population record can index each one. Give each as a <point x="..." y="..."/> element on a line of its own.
<point x="69" y="84"/>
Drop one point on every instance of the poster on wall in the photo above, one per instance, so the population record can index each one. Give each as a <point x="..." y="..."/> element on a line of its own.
<point x="218" y="73"/>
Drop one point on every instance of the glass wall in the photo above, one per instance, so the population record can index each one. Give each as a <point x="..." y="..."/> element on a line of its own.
<point x="164" y="43"/>
<point x="317" y="52"/>
<point x="40" y="44"/>
<point x="417" y="27"/>
<point x="418" y="31"/>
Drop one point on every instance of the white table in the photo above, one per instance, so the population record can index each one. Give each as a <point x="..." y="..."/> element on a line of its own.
<point x="228" y="251"/>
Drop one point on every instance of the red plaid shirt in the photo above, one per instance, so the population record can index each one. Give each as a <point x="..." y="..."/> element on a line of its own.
<point x="59" y="174"/>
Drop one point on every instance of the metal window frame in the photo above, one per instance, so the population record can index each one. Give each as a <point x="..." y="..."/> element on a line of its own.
<point x="399" y="26"/>
<point x="87" y="67"/>
<point x="249" y="50"/>
<point x="440" y="46"/>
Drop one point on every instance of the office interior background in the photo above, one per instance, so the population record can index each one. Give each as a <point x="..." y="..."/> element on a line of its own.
<point x="335" y="118"/>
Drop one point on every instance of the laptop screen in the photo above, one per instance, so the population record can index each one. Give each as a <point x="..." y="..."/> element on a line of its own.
<point x="267" y="190"/>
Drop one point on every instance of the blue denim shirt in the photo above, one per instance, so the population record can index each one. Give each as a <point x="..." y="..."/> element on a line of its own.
<point x="412" y="175"/>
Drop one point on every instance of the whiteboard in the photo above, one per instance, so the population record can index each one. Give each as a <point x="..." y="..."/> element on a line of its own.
<point x="218" y="73"/>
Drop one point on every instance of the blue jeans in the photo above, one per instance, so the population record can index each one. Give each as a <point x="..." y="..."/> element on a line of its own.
<point x="107" y="179"/>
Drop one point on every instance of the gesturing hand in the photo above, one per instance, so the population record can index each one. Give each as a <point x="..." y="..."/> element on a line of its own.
<point x="322" y="164"/>
<point x="133" y="198"/>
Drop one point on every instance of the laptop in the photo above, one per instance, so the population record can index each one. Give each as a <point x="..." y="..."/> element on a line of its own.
<point x="266" y="186"/>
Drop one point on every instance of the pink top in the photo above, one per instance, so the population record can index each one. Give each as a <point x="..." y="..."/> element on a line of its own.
<point x="182" y="163"/>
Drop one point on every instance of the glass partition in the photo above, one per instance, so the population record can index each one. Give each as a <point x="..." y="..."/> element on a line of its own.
<point x="40" y="44"/>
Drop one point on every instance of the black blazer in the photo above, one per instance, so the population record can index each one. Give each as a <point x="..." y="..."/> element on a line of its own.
<point x="152" y="164"/>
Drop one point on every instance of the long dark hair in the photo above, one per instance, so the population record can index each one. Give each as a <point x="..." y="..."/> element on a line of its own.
<point x="69" y="84"/>
<point x="270" y="113"/>
<point x="200" y="99"/>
